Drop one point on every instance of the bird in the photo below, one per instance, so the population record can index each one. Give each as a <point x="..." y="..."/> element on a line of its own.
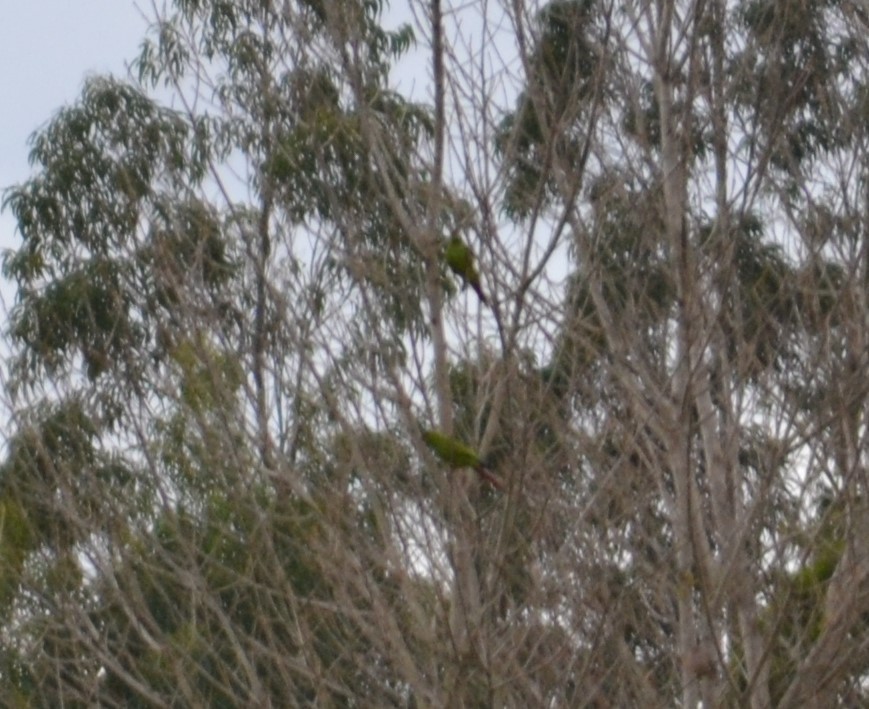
<point x="458" y="455"/>
<point x="460" y="260"/>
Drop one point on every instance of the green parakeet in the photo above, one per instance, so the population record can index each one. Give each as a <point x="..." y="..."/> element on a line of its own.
<point x="460" y="259"/>
<point x="457" y="455"/>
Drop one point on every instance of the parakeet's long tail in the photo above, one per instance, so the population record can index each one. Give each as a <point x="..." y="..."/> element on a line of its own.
<point x="479" y="291"/>
<point x="490" y="477"/>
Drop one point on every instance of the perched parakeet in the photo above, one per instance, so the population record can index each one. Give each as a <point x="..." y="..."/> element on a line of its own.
<point x="457" y="455"/>
<point x="460" y="259"/>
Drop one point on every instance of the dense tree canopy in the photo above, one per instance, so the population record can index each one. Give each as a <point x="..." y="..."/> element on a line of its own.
<point x="240" y="316"/>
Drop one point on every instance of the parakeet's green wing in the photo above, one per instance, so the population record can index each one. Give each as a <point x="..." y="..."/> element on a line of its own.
<point x="450" y="451"/>
<point x="460" y="259"/>
<point x="457" y="455"/>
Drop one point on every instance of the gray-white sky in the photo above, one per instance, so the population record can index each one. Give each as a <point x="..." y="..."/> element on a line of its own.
<point x="47" y="48"/>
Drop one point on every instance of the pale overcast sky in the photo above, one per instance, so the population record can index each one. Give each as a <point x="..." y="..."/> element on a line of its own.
<point x="47" y="49"/>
